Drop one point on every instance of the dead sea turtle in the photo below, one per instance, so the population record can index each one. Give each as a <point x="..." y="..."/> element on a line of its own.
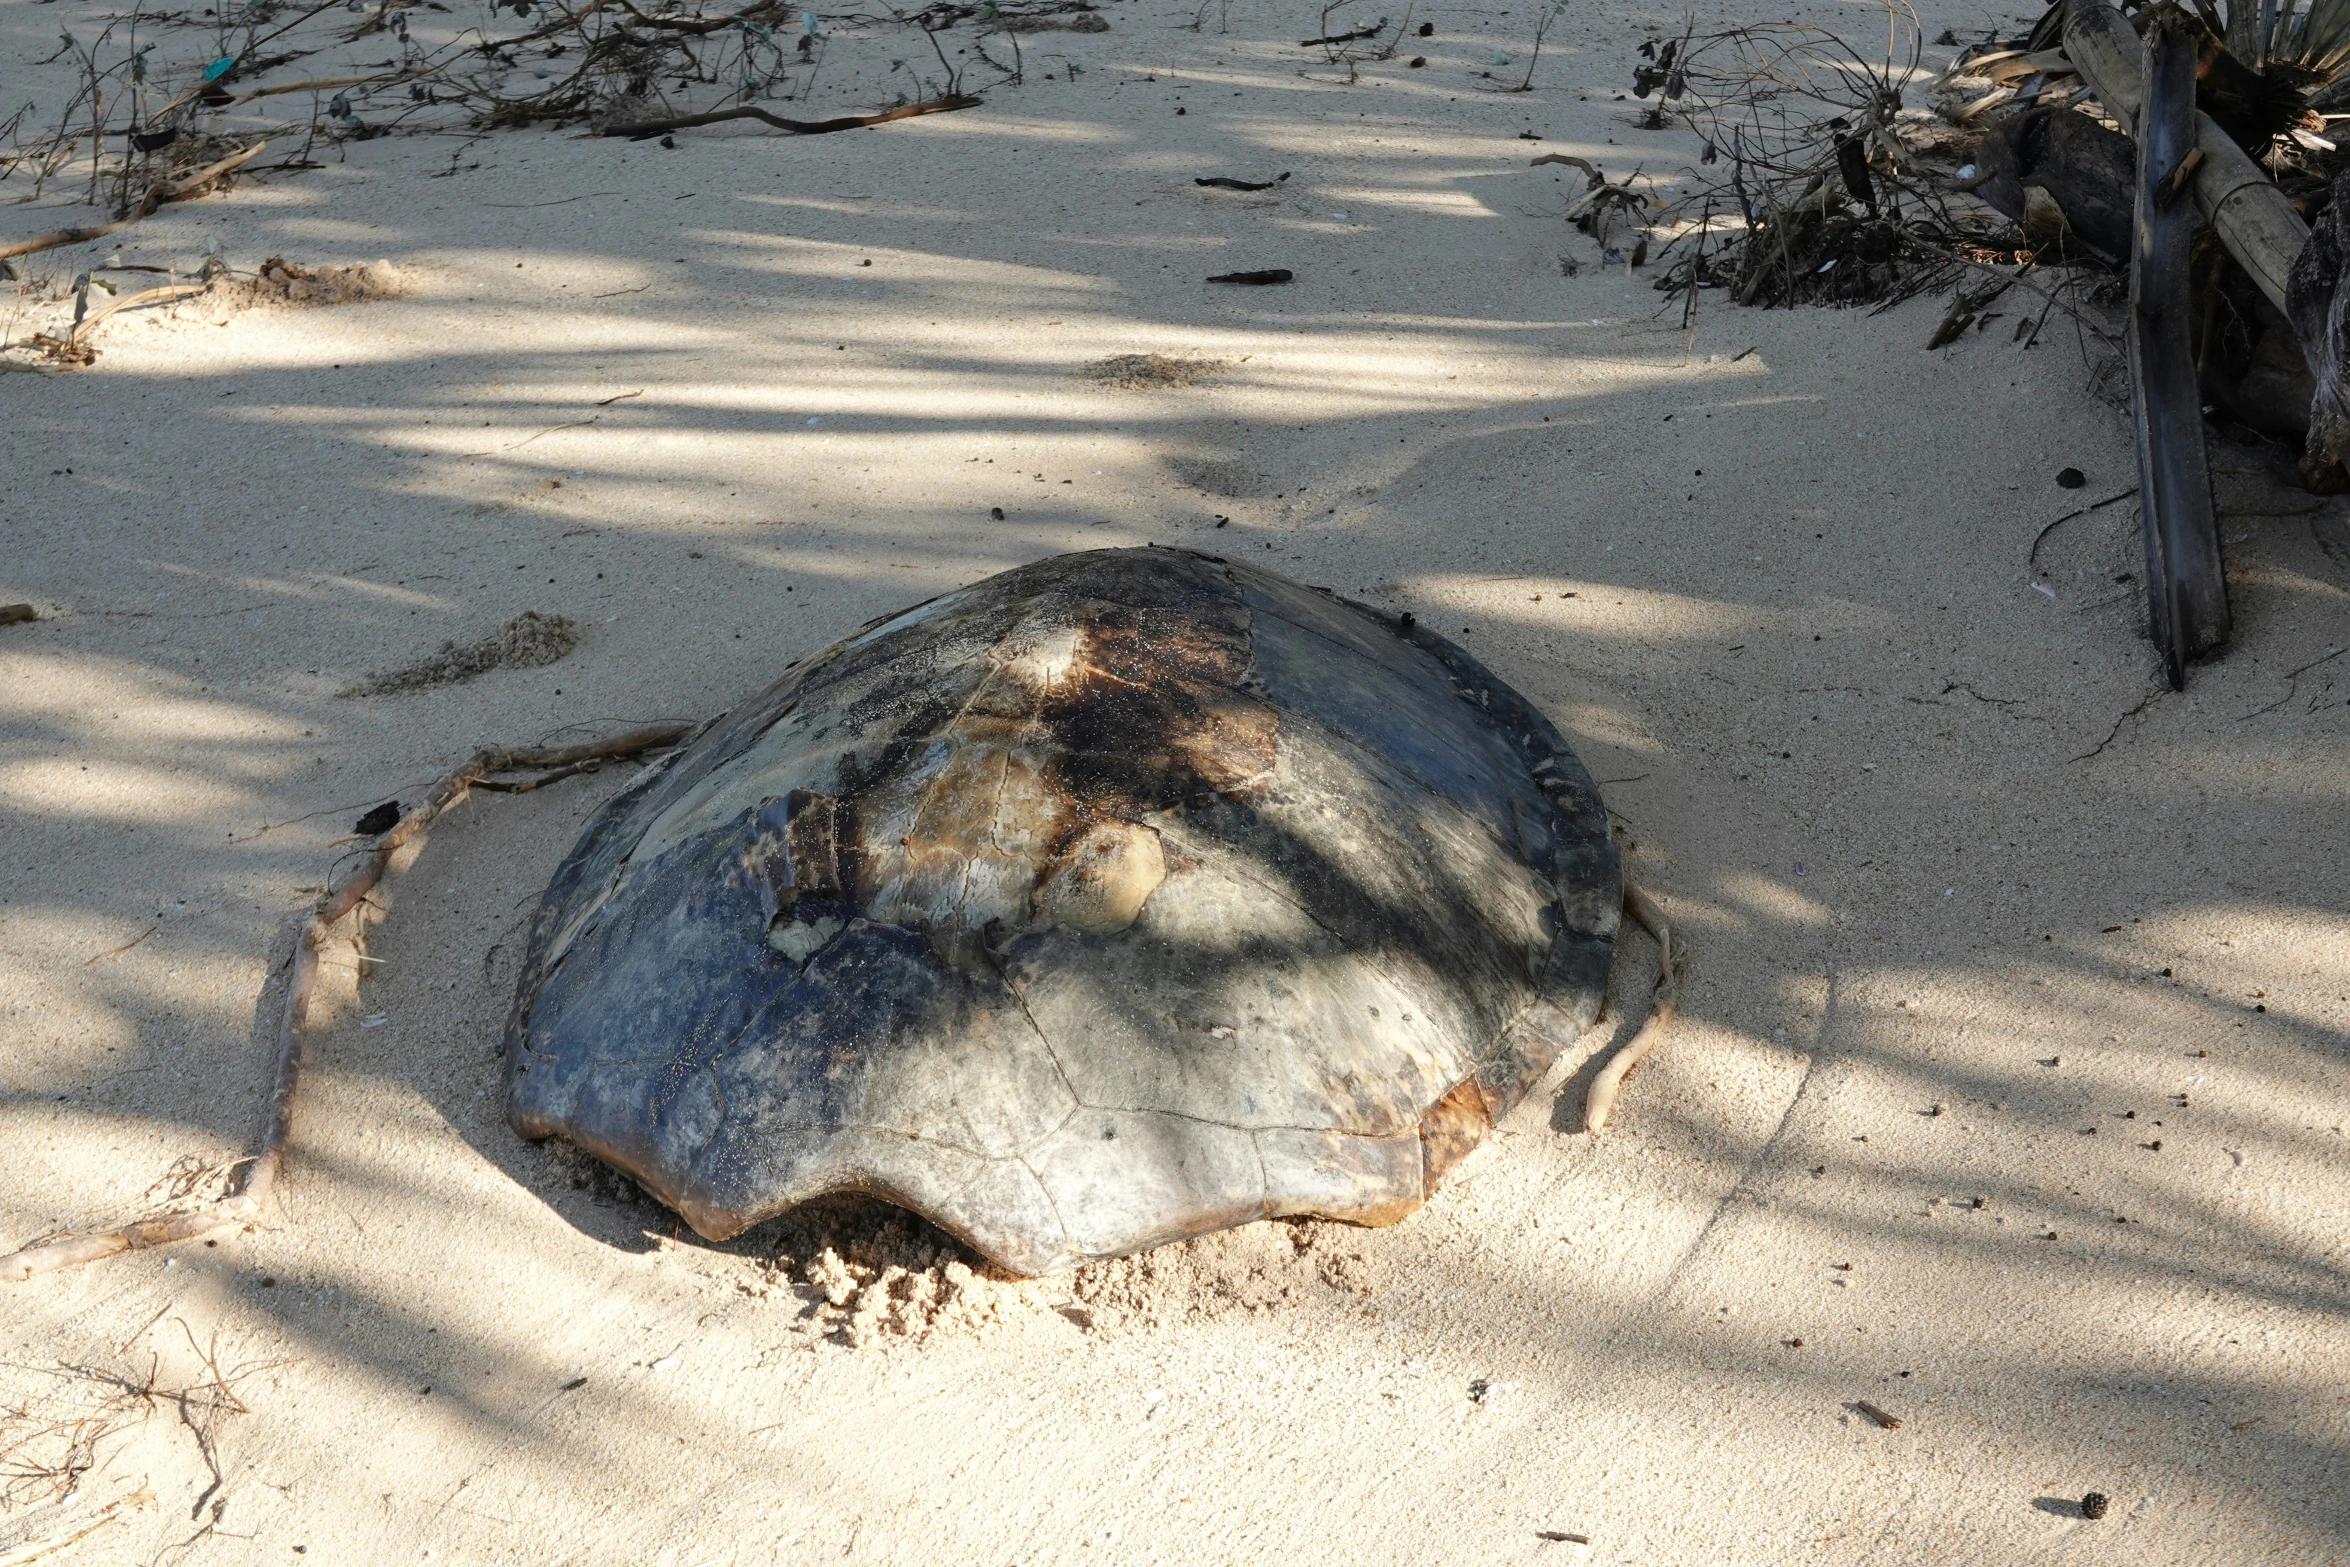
<point x="1115" y="899"/>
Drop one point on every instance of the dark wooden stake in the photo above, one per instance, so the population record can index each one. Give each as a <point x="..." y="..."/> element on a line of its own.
<point x="2186" y="590"/>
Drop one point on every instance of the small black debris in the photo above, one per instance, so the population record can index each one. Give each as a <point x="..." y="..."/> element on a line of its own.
<point x="2070" y="478"/>
<point x="669" y="142"/>
<point x="1406" y="620"/>
<point x="2095" y="1505"/>
<point x="153" y="141"/>
<point x="1418" y="60"/>
<point x="381" y="819"/>
<point x="1225" y="182"/>
<point x="268" y="1282"/>
<point x="1265" y="275"/>
<point x="1427" y="29"/>
<point x="997" y="512"/>
<point x="1562" y="1537"/>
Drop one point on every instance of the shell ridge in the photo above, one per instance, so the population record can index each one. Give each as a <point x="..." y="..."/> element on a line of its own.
<point x="1012" y="989"/>
<point x="1052" y="1202"/>
<point x="1278" y="895"/>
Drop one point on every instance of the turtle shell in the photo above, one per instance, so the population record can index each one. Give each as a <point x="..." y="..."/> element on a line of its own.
<point x="1118" y="898"/>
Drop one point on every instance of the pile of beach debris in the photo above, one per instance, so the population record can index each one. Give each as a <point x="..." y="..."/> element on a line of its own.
<point x="2177" y="160"/>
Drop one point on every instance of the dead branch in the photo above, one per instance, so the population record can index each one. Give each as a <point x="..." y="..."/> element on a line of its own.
<point x="1599" y="1105"/>
<point x="157" y="196"/>
<point x="638" y="130"/>
<point x="250" y="1185"/>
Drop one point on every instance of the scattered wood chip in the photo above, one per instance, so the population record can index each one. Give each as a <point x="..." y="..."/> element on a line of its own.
<point x="1223" y="182"/>
<point x="1266" y="275"/>
<point x="1889" y="1422"/>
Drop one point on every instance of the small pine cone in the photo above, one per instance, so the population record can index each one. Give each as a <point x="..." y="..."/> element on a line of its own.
<point x="2094" y="1505"/>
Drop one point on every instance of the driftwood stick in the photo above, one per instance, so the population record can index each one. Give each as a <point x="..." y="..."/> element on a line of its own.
<point x="152" y="296"/>
<point x="255" y="1174"/>
<point x="157" y="196"/>
<point x="2186" y="589"/>
<point x="639" y="129"/>
<point x="2253" y="218"/>
<point x="1673" y="959"/>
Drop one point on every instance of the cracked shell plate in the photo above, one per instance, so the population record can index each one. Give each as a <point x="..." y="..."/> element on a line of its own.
<point x="1119" y="898"/>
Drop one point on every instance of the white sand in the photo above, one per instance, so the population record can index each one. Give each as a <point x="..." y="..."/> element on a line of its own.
<point x="1839" y="725"/>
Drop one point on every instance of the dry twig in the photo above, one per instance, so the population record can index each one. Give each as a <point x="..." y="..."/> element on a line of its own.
<point x="157" y="196"/>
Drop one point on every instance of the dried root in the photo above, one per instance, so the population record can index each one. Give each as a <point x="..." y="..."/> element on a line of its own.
<point x="249" y="1186"/>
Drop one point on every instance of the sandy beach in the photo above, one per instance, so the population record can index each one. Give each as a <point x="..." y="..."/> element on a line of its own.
<point x="2008" y="1095"/>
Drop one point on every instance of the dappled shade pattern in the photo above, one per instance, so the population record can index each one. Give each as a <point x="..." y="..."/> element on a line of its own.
<point x="1118" y="898"/>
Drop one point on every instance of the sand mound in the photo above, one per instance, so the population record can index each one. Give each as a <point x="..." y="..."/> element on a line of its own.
<point x="529" y="641"/>
<point x="282" y="282"/>
<point x="875" y="1274"/>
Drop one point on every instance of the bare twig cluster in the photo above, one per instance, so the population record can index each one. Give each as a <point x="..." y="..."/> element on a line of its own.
<point x="1346" y="44"/>
<point x="154" y="100"/>
<point x="1818" y="196"/>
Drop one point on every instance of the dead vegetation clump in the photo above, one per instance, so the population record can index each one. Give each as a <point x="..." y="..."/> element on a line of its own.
<point x="1823" y="196"/>
<point x="1150" y="372"/>
<point x="76" y="1431"/>
<point x="530" y="640"/>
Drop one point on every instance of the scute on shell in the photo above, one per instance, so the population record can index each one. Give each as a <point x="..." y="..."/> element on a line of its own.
<point x="1118" y="898"/>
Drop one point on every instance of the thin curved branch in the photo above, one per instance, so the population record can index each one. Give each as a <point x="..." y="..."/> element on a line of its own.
<point x="639" y="129"/>
<point x="258" y="1171"/>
